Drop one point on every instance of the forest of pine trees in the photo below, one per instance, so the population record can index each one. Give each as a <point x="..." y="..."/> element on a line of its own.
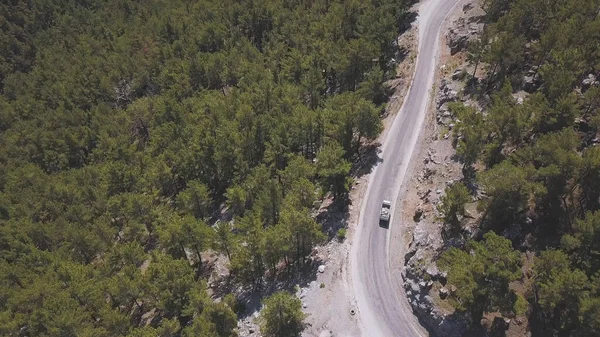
<point x="538" y="165"/>
<point x="128" y="127"/>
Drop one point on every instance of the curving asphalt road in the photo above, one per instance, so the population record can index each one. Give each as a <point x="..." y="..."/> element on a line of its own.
<point x="382" y="311"/>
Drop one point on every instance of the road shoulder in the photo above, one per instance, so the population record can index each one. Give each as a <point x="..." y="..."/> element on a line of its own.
<point x="407" y="202"/>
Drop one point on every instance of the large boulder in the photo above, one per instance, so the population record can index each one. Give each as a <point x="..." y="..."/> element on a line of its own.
<point x="458" y="36"/>
<point x="458" y="40"/>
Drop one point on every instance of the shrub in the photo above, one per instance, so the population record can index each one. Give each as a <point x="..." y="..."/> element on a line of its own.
<point x="341" y="234"/>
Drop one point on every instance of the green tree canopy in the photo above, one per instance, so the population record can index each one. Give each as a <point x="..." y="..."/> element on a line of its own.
<point x="282" y="316"/>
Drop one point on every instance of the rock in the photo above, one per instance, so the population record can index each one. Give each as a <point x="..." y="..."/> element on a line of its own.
<point x="458" y="37"/>
<point x="442" y="110"/>
<point x="439" y="323"/>
<point x="458" y="40"/>
<point x="588" y="82"/>
<point x="251" y="330"/>
<point x="438" y="191"/>
<point x="519" y="100"/>
<point x="443" y="293"/>
<point x="321" y="269"/>
<point x="445" y="95"/>
<point x="475" y="28"/>
<point x="457" y="74"/>
<point x="420" y="237"/>
<point x="531" y="83"/>
<point x="467" y="7"/>
<point x="433" y="271"/>
<point x="415" y="288"/>
<point x="422" y="284"/>
<point x="304" y="305"/>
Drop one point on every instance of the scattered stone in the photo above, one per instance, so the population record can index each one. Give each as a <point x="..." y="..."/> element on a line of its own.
<point x="445" y="95"/>
<point x="251" y="330"/>
<point x="438" y="191"/>
<point x="415" y="287"/>
<point x="433" y="271"/>
<point x="589" y="81"/>
<point x="457" y="74"/>
<point x="304" y="305"/>
<point x="321" y="268"/>
<point x="424" y="194"/>
<point x="443" y="293"/>
<point x="531" y="83"/>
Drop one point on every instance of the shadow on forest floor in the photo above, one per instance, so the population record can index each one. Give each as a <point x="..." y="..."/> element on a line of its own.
<point x="286" y="280"/>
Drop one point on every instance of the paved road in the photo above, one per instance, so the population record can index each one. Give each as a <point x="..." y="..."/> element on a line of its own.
<point x="381" y="310"/>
